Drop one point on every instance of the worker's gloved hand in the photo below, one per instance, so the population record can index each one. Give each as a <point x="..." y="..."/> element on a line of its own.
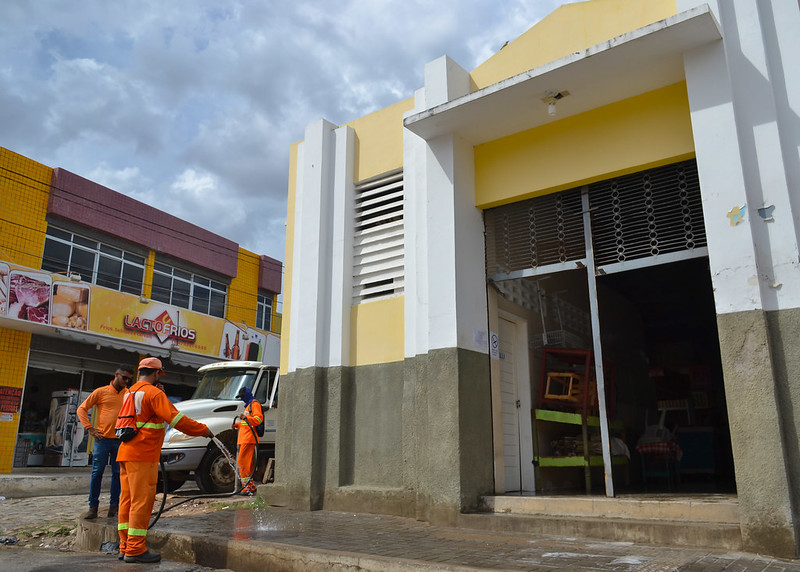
<point x="209" y="434"/>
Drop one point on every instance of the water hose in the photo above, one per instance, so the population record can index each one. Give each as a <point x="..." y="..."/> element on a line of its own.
<point x="236" y="489"/>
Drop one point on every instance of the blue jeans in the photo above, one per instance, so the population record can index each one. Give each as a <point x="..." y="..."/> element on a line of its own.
<point x="105" y="450"/>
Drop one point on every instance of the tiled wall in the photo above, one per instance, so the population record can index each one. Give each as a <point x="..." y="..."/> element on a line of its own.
<point x="241" y="301"/>
<point x="24" y="189"/>
<point x="14" y="348"/>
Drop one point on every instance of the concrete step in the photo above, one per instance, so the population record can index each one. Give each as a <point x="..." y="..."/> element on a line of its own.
<point x="702" y="521"/>
<point x="696" y="508"/>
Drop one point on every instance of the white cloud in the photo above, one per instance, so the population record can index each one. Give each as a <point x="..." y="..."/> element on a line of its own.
<point x="191" y="107"/>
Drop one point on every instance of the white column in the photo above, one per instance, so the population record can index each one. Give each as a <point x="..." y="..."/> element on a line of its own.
<point x="741" y="93"/>
<point x="342" y="214"/>
<point x="445" y="257"/>
<point x="311" y="257"/>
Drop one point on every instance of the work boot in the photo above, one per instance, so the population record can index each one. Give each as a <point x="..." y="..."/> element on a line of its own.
<point x="91" y="514"/>
<point x="145" y="557"/>
<point x="113" y="511"/>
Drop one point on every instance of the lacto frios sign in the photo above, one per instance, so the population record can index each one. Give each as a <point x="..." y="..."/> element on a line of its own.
<point x="163" y="327"/>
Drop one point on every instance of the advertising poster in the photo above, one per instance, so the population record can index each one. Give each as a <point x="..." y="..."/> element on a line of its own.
<point x="3" y="288"/>
<point x="29" y="296"/>
<point x="239" y="343"/>
<point x="70" y="307"/>
<point x="55" y="300"/>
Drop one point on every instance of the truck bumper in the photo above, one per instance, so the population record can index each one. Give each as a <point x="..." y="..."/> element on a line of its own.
<point x="182" y="459"/>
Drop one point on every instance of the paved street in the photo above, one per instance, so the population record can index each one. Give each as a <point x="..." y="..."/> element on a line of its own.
<point x="347" y="540"/>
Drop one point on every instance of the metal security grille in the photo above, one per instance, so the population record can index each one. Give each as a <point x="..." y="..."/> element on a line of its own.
<point x="651" y="213"/>
<point x="536" y="232"/>
<point x="378" y="265"/>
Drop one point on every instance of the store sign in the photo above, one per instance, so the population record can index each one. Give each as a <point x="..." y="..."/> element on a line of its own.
<point x="162" y="327"/>
<point x="124" y="316"/>
<point x="10" y="399"/>
<point x="54" y="300"/>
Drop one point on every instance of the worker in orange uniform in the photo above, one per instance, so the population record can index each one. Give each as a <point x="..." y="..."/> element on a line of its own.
<point x="139" y="458"/>
<point x="108" y="401"/>
<point x="247" y="441"/>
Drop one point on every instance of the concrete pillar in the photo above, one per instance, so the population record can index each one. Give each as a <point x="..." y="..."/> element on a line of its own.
<point x="746" y="141"/>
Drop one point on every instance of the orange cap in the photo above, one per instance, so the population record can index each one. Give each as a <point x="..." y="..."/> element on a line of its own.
<point x="151" y="363"/>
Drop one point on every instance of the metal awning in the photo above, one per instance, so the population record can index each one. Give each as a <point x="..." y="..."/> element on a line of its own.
<point x="631" y="64"/>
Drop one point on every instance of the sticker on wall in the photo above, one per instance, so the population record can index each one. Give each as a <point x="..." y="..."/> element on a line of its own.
<point x="480" y="339"/>
<point x="766" y="213"/>
<point x="494" y="345"/>
<point x="736" y="214"/>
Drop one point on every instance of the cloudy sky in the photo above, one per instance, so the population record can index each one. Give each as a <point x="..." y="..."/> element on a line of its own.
<point x="191" y="106"/>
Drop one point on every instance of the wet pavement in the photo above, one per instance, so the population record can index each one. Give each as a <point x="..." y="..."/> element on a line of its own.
<point x="280" y="539"/>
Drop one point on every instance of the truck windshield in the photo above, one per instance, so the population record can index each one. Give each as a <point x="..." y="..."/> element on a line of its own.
<point x="224" y="383"/>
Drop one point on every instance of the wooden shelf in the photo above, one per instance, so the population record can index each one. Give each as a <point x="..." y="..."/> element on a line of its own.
<point x="594" y="461"/>
<point x="571" y="418"/>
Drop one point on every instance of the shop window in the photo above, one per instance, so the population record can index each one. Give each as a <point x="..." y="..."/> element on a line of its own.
<point x="187" y="290"/>
<point x="264" y="312"/>
<point x="96" y="262"/>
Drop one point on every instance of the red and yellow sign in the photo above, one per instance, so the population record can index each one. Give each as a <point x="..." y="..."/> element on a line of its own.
<point x="124" y="316"/>
<point x="43" y="299"/>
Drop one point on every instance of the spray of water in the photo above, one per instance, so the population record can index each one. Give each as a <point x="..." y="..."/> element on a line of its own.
<point x="230" y="459"/>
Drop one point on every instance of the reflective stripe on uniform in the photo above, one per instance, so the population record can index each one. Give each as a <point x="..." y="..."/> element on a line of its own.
<point x="122" y="526"/>
<point x="137" y="532"/>
<point x="177" y="418"/>
<point x="139" y="424"/>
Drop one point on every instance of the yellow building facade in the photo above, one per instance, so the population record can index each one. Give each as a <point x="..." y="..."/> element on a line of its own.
<point x="79" y="299"/>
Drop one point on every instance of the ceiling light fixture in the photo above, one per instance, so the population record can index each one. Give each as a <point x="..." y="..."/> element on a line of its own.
<point x="551" y="97"/>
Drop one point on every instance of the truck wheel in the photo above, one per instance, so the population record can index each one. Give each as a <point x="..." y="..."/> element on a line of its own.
<point x="215" y="475"/>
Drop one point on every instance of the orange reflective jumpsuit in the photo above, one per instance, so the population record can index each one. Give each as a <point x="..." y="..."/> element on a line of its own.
<point x="138" y="460"/>
<point x="253" y="415"/>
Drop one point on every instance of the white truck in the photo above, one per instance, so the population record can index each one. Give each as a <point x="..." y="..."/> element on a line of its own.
<point x="214" y="403"/>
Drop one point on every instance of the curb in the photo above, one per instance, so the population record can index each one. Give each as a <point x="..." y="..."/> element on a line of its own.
<point x="247" y="555"/>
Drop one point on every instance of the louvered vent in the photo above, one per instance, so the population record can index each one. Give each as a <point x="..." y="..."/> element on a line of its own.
<point x="653" y="212"/>
<point x="378" y="270"/>
<point x="536" y="232"/>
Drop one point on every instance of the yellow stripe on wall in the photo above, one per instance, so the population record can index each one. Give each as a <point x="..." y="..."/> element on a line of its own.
<point x="641" y="132"/>
<point x="379" y="140"/>
<point x="377" y="332"/>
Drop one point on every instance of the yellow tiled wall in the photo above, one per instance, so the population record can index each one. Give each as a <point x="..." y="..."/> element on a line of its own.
<point x="24" y="190"/>
<point x="242" y="293"/>
<point x="14" y="347"/>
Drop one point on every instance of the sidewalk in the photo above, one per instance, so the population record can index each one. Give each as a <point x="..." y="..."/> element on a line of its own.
<point x="48" y="481"/>
<point x="281" y="539"/>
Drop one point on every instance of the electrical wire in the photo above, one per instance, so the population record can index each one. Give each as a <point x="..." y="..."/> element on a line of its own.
<point x="220" y="249"/>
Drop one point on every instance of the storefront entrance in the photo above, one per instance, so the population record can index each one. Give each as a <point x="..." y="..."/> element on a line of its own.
<point x="653" y="418"/>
